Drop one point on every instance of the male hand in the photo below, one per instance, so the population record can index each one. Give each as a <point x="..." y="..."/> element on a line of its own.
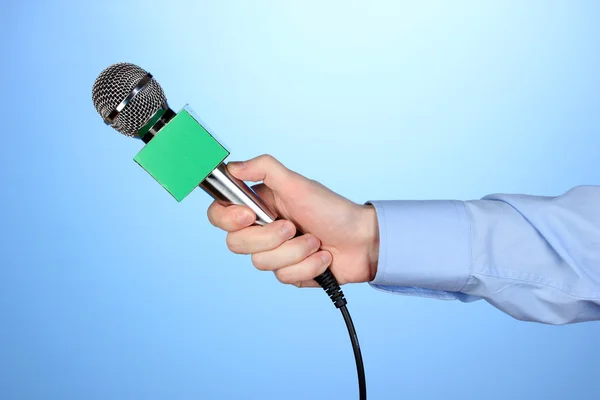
<point x="340" y="234"/>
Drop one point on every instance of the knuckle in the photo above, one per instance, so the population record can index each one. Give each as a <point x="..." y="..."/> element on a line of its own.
<point x="259" y="262"/>
<point x="269" y="160"/>
<point x="284" y="276"/>
<point x="212" y="217"/>
<point x="234" y="245"/>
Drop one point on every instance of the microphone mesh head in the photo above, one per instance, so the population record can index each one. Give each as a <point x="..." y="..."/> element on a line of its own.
<point x="114" y="84"/>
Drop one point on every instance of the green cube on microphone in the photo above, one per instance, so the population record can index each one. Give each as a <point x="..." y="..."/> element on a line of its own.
<point x="181" y="155"/>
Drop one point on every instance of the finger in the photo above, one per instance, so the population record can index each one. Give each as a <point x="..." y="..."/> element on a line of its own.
<point x="256" y="239"/>
<point x="230" y="218"/>
<point x="262" y="168"/>
<point x="289" y="253"/>
<point x="305" y="270"/>
<point x="307" y="284"/>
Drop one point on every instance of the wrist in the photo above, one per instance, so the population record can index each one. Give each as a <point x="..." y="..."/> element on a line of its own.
<point x="371" y="239"/>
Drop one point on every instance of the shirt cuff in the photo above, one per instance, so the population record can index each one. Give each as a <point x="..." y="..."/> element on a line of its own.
<point x="424" y="248"/>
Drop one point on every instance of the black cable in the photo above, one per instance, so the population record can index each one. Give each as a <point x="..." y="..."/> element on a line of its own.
<point x="328" y="282"/>
<point x="360" y="368"/>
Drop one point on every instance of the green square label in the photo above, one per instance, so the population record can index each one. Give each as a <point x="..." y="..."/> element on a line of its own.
<point x="181" y="155"/>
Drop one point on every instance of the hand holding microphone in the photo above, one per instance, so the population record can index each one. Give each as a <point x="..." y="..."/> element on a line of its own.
<point x="343" y="235"/>
<point x="180" y="154"/>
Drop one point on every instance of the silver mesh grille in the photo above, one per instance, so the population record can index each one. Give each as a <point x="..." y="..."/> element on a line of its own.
<point x="114" y="84"/>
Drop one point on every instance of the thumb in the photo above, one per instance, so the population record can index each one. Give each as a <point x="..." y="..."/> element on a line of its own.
<point x="262" y="168"/>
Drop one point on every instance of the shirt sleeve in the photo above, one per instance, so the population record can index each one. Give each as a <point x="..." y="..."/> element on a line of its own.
<point x="534" y="258"/>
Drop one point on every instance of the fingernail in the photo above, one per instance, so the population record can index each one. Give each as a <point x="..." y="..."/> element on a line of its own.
<point x="237" y="165"/>
<point x="287" y="230"/>
<point x="313" y="242"/>
<point x="325" y="258"/>
<point x="244" y="218"/>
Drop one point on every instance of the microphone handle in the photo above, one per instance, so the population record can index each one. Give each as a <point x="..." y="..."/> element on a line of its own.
<point x="227" y="190"/>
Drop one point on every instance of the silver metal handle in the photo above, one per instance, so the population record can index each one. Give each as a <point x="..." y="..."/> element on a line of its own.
<point x="227" y="189"/>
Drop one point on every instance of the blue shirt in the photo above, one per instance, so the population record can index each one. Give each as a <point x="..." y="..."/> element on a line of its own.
<point x="534" y="258"/>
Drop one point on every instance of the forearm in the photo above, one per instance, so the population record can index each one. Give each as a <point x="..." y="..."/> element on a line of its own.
<point x="534" y="258"/>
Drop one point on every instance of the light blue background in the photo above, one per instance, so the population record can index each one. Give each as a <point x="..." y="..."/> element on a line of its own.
<point x="109" y="289"/>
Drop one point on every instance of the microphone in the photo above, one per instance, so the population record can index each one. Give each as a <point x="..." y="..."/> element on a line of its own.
<point x="131" y="101"/>
<point x="180" y="154"/>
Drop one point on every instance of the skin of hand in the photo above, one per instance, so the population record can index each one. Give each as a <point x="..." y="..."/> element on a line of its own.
<point x="341" y="235"/>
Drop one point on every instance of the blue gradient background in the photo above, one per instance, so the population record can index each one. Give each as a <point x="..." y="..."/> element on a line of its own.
<point x="109" y="289"/>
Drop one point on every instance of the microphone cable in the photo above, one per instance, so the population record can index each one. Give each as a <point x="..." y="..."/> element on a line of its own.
<point x="328" y="282"/>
